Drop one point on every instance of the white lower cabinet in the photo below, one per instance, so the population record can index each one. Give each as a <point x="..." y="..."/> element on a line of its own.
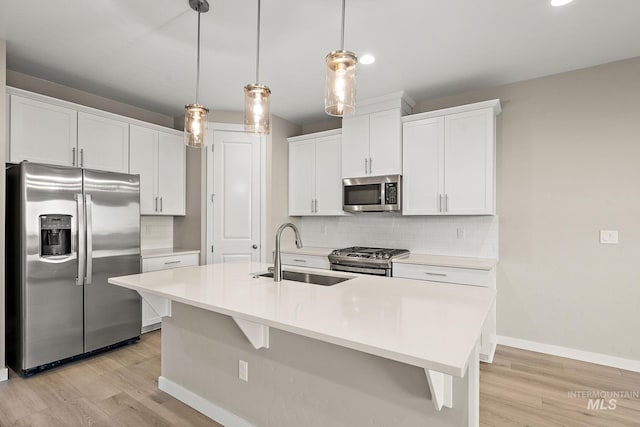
<point x="311" y="261"/>
<point x="154" y="307"/>
<point x="458" y="276"/>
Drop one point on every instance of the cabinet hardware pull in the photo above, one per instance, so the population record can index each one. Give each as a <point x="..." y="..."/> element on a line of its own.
<point x="446" y="203"/>
<point x="436" y="274"/>
<point x="311" y="205"/>
<point x="299" y="260"/>
<point x="440" y="203"/>
<point x="370" y="165"/>
<point x="254" y="246"/>
<point x="82" y="157"/>
<point x="172" y="262"/>
<point x="316" y="207"/>
<point x="365" y="166"/>
<point x="156" y="207"/>
<point x="73" y="156"/>
<point x="160" y="204"/>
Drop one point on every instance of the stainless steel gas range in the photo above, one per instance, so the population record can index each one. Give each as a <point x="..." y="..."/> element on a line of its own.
<point x="358" y="259"/>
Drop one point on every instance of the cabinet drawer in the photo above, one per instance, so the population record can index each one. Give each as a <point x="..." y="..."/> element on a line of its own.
<point x="167" y="262"/>
<point x="312" y="261"/>
<point x="463" y="276"/>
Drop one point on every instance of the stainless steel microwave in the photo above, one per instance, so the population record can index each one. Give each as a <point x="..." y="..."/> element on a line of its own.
<point x="372" y="194"/>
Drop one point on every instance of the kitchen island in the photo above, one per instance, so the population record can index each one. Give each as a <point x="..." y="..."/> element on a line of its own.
<point x="367" y="351"/>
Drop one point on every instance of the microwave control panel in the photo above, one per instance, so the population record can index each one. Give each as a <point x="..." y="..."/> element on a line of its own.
<point x="391" y="193"/>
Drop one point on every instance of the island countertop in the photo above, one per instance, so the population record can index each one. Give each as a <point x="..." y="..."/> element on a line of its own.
<point x="427" y="324"/>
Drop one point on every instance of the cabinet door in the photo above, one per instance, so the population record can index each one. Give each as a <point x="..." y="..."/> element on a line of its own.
<point x="355" y="146"/>
<point x="41" y="132"/>
<point x="385" y="143"/>
<point x="423" y="178"/>
<point x="103" y="143"/>
<point x="171" y="174"/>
<point x="328" y="176"/>
<point x="469" y="162"/>
<point x="143" y="160"/>
<point x="302" y="171"/>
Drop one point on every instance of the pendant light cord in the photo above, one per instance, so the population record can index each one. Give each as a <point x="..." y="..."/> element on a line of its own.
<point x="198" y="61"/>
<point x="342" y="39"/>
<point x="258" y="46"/>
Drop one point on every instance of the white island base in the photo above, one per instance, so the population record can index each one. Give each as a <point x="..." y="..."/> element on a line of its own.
<point x="370" y="351"/>
<point x="297" y="381"/>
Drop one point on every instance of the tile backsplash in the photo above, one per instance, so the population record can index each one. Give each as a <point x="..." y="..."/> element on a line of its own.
<point x="156" y="232"/>
<point x="471" y="236"/>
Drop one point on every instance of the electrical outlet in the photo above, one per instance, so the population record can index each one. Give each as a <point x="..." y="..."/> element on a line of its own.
<point x="243" y="370"/>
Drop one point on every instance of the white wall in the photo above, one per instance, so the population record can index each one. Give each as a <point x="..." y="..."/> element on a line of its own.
<point x="568" y="166"/>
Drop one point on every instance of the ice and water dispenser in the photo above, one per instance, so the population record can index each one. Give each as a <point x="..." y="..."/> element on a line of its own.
<point x="55" y="235"/>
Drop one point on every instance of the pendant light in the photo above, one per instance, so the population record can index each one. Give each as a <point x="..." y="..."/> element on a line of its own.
<point x="340" y="94"/>
<point x="195" y="115"/>
<point x="257" y="112"/>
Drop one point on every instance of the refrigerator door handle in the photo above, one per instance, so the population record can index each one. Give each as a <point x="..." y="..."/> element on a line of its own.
<point x="82" y="256"/>
<point x="89" y="232"/>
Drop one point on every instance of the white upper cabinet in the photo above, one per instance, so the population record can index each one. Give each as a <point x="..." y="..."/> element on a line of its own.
<point x="103" y="143"/>
<point x="315" y="185"/>
<point x="372" y="138"/>
<point x="171" y="173"/>
<point x="449" y="161"/>
<point x="143" y="160"/>
<point x="160" y="159"/>
<point x="42" y="132"/>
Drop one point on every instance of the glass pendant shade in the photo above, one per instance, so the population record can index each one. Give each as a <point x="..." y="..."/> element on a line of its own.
<point x="195" y="124"/>
<point x="340" y="96"/>
<point x="257" y="112"/>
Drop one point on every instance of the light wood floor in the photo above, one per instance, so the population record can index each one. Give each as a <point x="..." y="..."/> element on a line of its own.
<point x="119" y="388"/>
<point x="523" y="388"/>
<point x="116" y="388"/>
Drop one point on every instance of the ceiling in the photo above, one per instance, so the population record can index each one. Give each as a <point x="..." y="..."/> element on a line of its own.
<point x="143" y="52"/>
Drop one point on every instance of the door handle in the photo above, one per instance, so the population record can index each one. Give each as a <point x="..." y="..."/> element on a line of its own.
<point x="254" y="246"/>
<point x="89" y="214"/>
<point x="81" y="239"/>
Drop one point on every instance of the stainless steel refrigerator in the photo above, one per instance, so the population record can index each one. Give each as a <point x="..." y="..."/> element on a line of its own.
<point x="67" y="231"/>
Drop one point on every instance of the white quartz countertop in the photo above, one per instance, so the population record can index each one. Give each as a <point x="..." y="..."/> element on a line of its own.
<point x="435" y="326"/>
<point x="155" y="253"/>
<point x="449" y="261"/>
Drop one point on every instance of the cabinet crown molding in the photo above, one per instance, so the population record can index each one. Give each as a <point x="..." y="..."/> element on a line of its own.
<point x="493" y="103"/>
<point x="386" y="102"/>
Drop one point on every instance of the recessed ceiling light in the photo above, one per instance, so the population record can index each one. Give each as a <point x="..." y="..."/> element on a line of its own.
<point x="367" y="59"/>
<point x="560" y="2"/>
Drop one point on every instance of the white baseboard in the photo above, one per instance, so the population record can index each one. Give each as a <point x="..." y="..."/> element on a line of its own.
<point x="4" y="374"/>
<point x="202" y="405"/>
<point x="585" y="356"/>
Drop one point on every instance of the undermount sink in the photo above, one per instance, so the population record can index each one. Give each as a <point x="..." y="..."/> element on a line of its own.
<point x="314" y="279"/>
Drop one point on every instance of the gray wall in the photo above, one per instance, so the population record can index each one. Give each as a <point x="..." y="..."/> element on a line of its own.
<point x="3" y="142"/>
<point x="568" y="166"/>
<point x="298" y="381"/>
<point x="44" y="87"/>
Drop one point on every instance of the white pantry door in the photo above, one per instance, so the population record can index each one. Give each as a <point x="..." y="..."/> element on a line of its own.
<point x="236" y="197"/>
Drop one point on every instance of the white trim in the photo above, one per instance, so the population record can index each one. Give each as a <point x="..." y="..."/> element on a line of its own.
<point x="4" y="374"/>
<point x="322" y="134"/>
<point x="234" y="127"/>
<point x="493" y="104"/>
<point x="585" y="356"/>
<point x="264" y="141"/>
<point x="200" y="404"/>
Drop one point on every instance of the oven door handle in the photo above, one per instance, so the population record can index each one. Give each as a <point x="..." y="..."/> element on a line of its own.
<point x="361" y="270"/>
